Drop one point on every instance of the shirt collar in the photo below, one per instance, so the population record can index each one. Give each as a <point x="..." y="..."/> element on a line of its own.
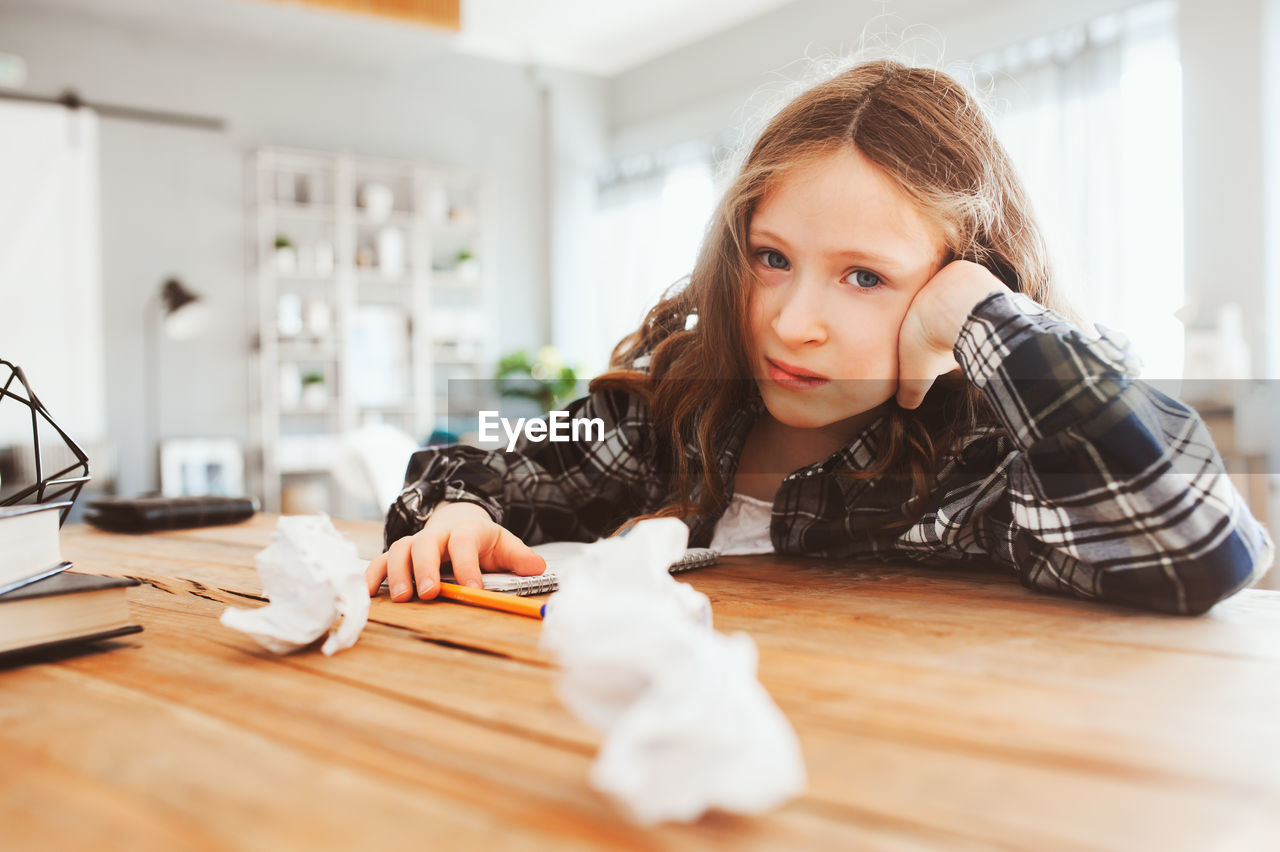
<point x="858" y="454"/>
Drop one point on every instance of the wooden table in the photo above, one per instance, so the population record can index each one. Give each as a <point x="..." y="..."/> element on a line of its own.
<point x="936" y="709"/>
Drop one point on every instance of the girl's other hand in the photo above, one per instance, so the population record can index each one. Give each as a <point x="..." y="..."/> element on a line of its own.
<point x="932" y="324"/>
<point x="462" y="533"/>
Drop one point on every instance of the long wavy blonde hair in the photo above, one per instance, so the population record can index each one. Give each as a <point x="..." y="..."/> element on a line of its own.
<point x="931" y="136"/>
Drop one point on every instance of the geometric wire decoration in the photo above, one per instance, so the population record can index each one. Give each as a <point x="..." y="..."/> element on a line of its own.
<point x="63" y="484"/>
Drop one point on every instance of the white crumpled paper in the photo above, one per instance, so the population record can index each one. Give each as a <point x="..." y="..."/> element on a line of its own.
<point x="686" y="725"/>
<point x="315" y="584"/>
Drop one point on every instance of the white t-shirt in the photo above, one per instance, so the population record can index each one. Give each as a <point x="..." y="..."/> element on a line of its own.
<point x="744" y="527"/>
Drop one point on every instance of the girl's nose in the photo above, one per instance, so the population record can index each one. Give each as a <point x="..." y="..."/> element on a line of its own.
<point x="799" y="318"/>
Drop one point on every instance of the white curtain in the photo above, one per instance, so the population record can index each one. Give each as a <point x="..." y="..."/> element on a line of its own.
<point x="1092" y="117"/>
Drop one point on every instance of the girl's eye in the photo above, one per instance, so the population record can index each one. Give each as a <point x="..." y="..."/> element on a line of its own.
<point x="773" y="259"/>
<point x="863" y="279"/>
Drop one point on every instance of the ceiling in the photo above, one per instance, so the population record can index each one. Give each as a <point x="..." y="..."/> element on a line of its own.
<point x="597" y="36"/>
<point x="601" y="37"/>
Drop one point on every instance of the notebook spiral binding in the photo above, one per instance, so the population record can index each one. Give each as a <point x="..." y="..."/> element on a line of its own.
<point x="538" y="585"/>
<point x="694" y="557"/>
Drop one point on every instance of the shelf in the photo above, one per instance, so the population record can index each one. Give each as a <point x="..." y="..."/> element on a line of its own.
<point x="298" y="279"/>
<point x="456" y="226"/>
<point x="378" y="341"/>
<point x="300" y="212"/>
<point x="395" y="219"/>
<point x="371" y="277"/>
<point x="472" y="363"/>
<point x="302" y="411"/>
<point x="451" y="279"/>
<point x="298" y="347"/>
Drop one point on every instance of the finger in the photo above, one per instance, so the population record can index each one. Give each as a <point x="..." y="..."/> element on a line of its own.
<point x="512" y="554"/>
<point x="466" y="560"/>
<point x="376" y="573"/>
<point x="427" y="553"/>
<point x="399" y="570"/>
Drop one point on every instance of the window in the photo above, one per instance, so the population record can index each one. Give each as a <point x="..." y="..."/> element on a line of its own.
<point x="1092" y="117"/>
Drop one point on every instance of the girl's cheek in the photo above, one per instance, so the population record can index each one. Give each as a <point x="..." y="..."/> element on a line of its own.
<point x="880" y="356"/>
<point x="760" y="308"/>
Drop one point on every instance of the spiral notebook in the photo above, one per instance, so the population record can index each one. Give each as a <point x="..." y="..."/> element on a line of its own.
<point x="547" y="581"/>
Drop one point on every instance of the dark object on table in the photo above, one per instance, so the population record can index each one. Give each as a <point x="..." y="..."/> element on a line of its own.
<point x="148" y="514"/>
<point x="62" y="609"/>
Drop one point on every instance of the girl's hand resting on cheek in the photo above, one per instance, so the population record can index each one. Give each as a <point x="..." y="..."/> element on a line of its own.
<point x="461" y="533"/>
<point x="932" y="324"/>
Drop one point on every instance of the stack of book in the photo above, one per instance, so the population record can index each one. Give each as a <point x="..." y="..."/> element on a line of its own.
<point x="42" y="604"/>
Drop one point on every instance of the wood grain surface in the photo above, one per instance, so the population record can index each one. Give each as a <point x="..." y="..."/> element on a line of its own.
<point x="937" y="709"/>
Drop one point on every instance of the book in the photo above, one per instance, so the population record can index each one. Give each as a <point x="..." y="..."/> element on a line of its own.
<point x="67" y="607"/>
<point x="30" y="549"/>
<point x="547" y="581"/>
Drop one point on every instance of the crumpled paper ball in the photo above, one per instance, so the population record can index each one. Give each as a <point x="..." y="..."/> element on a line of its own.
<point x="314" y="581"/>
<point x="686" y="725"/>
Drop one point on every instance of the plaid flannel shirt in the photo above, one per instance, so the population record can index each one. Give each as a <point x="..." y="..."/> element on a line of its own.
<point x="1098" y="486"/>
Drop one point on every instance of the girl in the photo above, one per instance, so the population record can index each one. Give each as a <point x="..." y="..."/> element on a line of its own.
<point x="870" y="359"/>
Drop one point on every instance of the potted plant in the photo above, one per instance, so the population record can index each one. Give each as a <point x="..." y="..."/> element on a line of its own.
<point x="468" y="268"/>
<point x="314" y="393"/>
<point x="547" y="380"/>
<point x="286" y="254"/>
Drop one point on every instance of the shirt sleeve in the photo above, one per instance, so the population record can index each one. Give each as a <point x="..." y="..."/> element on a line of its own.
<point x="1114" y="490"/>
<point x="577" y="490"/>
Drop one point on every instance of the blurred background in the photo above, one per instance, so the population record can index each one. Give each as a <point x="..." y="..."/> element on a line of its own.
<point x="269" y="247"/>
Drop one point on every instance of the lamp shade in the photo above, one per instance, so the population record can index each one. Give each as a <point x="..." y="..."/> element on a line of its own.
<point x="183" y="313"/>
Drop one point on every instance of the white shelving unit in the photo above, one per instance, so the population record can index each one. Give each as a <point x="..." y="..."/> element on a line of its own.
<point x="372" y="292"/>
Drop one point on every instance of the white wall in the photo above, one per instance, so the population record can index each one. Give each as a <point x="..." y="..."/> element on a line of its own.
<point x="172" y="199"/>
<point x="578" y="146"/>
<point x="172" y="205"/>
<point x="1270" y="31"/>
<point x="706" y="87"/>
<point x="1223" y="190"/>
<point x="1231" y="192"/>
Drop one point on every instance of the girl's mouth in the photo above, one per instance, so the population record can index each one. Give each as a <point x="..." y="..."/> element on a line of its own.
<point x="793" y="378"/>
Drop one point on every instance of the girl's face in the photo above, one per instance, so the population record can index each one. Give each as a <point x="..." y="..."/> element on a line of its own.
<point x="839" y="251"/>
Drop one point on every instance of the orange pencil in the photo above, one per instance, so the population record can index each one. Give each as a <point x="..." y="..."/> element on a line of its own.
<point x="492" y="600"/>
